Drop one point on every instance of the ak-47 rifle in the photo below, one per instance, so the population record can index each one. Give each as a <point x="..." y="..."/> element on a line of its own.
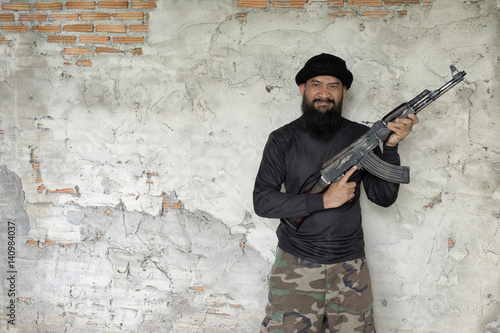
<point x="360" y="153"/>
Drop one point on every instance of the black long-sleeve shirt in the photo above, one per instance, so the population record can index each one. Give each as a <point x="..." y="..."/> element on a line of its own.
<point x="293" y="158"/>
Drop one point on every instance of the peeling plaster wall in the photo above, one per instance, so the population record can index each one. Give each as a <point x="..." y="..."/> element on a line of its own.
<point x="129" y="181"/>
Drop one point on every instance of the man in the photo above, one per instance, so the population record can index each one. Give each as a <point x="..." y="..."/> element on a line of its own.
<point x="320" y="278"/>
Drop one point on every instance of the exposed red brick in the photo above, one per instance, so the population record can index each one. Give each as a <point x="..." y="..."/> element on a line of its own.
<point x="33" y="17"/>
<point x="48" y="6"/>
<point x="343" y="13"/>
<point x="219" y="304"/>
<point x="137" y="51"/>
<point x="369" y="3"/>
<point x="138" y="28"/>
<point x="171" y="205"/>
<point x="15" y="28"/>
<point x="7" y="17"/>
<point x="143" y="4"/>
<point x="31" y="242"/>
<point x="113" y="4"/>
<point x="85" y="62"/>
<point x="16" y="6"/>
<point x="36" y="166"/>
<point x="128" y="40"/>
<point x="80" y="5"/>
<point x="65" y="190"/>
<point x="62" y="39"/>
<point x="289" y="3"/>
<point x="64" y="17"/>
<point x="48" y="242"/>
<point x="38" y="178"/>
<point x="100" y="50"/>
<point x="40" y="188"/>
<point x="451" y="243"/>
<point x="76" y="50"/>
<point x="79" y="28"/>
<point x="402" y="13"/>
<point x="253" y="3"/>
<point x="129" y="16"/>
<point x="401" y="2"/>
<point x="3" y="40"/>
<point x="94" y="39"/>
<point x="376" y="13"/>
<point x="335" y="3"/>
<point x="198" y="288"/>
<point x="95" y="16"/>
<point x="47" y="28"/>
<point x="111" y="28"/>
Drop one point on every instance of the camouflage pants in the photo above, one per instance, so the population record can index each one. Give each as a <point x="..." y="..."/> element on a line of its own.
<point x="308" y="297"/>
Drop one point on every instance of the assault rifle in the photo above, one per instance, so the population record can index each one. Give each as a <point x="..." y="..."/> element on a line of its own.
<point x="360" y="153"/>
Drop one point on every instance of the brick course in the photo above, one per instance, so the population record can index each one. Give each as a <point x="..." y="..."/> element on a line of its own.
<point x="48" y="6"/>
<point x="75" y="20"/>
<point x="80" y="5"/>
<point x="47" y="28"/>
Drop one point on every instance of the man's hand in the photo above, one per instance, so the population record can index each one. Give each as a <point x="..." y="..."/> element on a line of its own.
<point x="340" y="192"/>
<point x="401" y="128"/>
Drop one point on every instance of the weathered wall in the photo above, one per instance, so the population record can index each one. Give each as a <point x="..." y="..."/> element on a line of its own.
<point x="127" y="166"/>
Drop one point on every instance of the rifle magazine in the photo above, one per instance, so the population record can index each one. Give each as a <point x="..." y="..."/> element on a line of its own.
<point x="386" y="171"/>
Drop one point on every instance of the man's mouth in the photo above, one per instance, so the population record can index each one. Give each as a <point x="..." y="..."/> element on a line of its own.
<point x="323" y="102"/>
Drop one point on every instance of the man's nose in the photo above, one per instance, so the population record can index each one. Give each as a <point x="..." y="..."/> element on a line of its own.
<point x="324" y="93"/>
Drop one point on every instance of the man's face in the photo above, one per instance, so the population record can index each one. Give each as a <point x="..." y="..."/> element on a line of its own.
<point x="323" y="92"/>
<point x="322" y="105"/>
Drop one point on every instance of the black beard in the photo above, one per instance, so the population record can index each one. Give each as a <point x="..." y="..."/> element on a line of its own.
<point x="322" y="126"/>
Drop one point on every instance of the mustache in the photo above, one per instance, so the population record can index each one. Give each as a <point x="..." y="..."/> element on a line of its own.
<point x="323" y="100"/>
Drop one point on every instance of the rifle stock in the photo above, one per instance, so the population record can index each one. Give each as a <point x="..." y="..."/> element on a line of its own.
<point x="360" y="153"/>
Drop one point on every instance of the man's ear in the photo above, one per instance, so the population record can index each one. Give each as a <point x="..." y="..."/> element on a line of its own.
<point x="302" y="88"/>
<point x="344" y="88"/>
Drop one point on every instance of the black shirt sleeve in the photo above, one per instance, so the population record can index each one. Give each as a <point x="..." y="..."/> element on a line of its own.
<point x="269" y="200"/>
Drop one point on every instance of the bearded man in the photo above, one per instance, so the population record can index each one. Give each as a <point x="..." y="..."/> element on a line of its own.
<point x="320" y="279"/>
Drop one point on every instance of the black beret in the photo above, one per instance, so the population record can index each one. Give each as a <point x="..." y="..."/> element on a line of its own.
<point x="325" y="64"/>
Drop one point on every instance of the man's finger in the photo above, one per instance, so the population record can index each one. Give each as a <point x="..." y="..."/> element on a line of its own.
<point x="348" y="174"/>
<point x="413" y="118"/>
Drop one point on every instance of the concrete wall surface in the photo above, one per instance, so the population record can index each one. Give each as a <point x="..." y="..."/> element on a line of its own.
<point x="126" y="171"/>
